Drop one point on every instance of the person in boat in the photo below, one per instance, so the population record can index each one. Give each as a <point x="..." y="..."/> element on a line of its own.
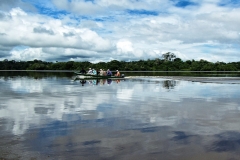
<point x="104" y="73"/>
<point x="90" y="71"/>
<point x="98" y="72"/>
<point x="101" y="72"/>
<point x="117" y="74"/>
<point x="109" y="73"/>
<point x="83" y="71"/>
<point x="94" y="72"/>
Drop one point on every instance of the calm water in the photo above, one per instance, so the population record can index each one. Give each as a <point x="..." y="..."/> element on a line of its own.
<point x="49" y="116"/>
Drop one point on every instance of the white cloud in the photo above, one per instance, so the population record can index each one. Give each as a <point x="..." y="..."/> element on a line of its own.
<point x="40" y="32"/>
<point x="107" y="29"/>
<point x="27" y="54"/>
<point x="124" y="46"/>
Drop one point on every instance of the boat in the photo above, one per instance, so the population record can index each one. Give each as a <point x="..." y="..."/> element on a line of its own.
<point x="81" y="76"/>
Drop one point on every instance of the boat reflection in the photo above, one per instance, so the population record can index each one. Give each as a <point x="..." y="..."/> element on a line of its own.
<point x="94" y="82"/>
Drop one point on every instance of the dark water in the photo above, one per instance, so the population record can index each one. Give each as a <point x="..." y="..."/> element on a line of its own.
<point x="49" y="116"/>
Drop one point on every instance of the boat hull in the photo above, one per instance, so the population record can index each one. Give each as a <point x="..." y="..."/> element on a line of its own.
<point x="90" y="76"/>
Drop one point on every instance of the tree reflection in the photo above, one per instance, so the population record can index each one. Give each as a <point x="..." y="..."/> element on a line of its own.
<point x="169" y="84"/>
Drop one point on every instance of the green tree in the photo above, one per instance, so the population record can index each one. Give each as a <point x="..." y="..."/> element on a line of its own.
<point x="69" y="65"/>
<point x="168" y="56"/>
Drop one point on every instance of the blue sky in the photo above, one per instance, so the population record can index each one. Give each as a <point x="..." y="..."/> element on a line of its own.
<point x="104" y="30"/>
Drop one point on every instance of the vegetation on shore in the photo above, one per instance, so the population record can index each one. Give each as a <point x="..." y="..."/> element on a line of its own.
<point x="168" y="62"/>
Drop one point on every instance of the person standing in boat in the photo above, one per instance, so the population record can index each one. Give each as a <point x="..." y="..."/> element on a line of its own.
<point x="109" y="73"/>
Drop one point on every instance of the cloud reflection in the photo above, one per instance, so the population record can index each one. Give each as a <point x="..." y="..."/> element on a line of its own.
<point x="29" y="102"/>
<point x="225" y="142"/>
<point x="63" y="119"/>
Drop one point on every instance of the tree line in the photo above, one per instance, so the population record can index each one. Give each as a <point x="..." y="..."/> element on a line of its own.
<point x="168" y="62"/>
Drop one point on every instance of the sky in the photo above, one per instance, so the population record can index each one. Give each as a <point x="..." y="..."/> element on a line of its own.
<point x="123" y="30"/>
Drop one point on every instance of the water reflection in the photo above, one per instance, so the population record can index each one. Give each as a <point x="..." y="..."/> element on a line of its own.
<point x="83" y="82"/>
<point x="101" y="82"/>
<point x="226" y="142"/>
<point x="182" y="137"/>
<point x="169" y="84"/>
<point x="144" y="118"/>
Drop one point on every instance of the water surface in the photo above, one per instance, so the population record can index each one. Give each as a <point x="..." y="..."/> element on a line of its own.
<point x="49" y="116"/>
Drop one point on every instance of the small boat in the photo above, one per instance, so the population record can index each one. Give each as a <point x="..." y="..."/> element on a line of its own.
<point x="81" y="76"/>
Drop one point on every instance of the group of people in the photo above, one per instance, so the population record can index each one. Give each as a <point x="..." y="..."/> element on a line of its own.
<point x="101" y="72"/>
